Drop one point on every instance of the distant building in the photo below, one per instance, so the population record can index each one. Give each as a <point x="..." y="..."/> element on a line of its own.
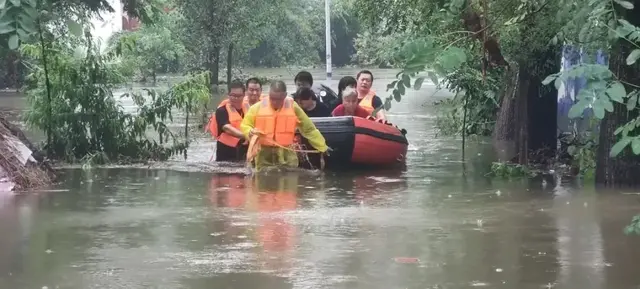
<point x="133" y="23"/>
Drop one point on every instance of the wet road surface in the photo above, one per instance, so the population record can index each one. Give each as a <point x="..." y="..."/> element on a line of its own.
<point x="193" y="224"/>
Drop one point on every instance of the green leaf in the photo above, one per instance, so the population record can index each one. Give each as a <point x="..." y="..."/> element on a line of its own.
<point x="549" y="79"/>
<point x="401" y="89"/>
<point x="391" y="85"/>
<point x="558" y="83"/>
<point x="635" y="146"/>
<point x="582" y="35"/>
<point x="577" y="109"/>
<point x="406" y="80"/>
<point x="15" y="3"/>
<point x="618" y="130"/>
<point x="7" y="27"/>
<point x="3" y="4"/>
<point x="606" y="104"/>
<point x="24" y="36"/>
<point x="632" y="101"/>
<point x="633" y="56"/>
<point x="434" y="78"/>
<point x="418" y="84"/>
<point x="30" y="12"/>
<point x="74" y="27"/>
<point x="387" y="104"/>
<point x="625" y="4"/>
<point x="598" y="109"/>
<point x="619" y="146"/>
<point x="14" y="42"/>
<point x="616" y="92"/>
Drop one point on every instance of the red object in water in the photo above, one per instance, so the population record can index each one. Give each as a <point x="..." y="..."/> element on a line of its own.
<point x="407" y="260"/>
<point x="360" y="142"/>
<point x="377" y="143"/>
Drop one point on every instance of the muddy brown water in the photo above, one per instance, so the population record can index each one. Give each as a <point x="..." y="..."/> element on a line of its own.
<point x="196" y="224"/>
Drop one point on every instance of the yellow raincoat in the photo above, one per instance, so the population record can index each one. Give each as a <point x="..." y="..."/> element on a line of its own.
<point x="275" y="156"/>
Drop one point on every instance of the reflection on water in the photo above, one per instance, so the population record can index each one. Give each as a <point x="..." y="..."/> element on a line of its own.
<point x="206" y="225"/>
<point x="164" y="229"/>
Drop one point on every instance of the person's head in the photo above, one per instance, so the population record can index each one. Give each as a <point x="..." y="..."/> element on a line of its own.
<point x="306" y="98"/>
<point x="350" y="100"/>
<point x="236" y="93"/>
<point x="254" y="89"/>
<point x="345" y="82"/>
<point x="277" y="94"/>
<point x="303" y="79"/>
<point x="365" y="79"/>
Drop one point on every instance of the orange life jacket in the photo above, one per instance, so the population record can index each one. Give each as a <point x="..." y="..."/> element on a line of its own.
<point x="245" y="102"/>
<point x="280" y="125"/>
<point x="235" y="119"/>
<point x="367" y="102"/>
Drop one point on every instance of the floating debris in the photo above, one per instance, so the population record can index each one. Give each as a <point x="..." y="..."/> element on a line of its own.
<point x="406" y="260"/>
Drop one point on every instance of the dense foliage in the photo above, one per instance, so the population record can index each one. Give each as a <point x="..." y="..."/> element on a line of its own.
<point x="72" y="99"/>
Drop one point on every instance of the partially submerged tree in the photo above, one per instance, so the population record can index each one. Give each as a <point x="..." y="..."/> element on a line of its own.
<point x="475" y="47"/>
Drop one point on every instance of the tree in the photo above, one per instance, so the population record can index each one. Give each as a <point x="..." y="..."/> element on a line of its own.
<point x="476" y="48"/>
<point x="152" y="49"/>
<point x="611" y="92"/>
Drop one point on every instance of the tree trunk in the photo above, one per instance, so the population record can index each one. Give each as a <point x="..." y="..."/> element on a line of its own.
<point x="11" y="63"/>
<point x="525" y="128"/>
<point x="509" y="123"/>
<point x="229" y="65"/>
<point x="624" y="169"/>
<point x="214" y="65"/>
<point x="542" y="111"/>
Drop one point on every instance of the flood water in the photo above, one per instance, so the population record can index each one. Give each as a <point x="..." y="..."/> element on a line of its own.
<point x="195" y="224"/>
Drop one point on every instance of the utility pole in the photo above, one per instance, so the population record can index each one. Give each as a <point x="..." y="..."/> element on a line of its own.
<point x="327" y="21"/>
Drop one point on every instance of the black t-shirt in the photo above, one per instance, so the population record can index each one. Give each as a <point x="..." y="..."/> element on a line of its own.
<point x="225" y="152"/>
<point x="320" y="110"/>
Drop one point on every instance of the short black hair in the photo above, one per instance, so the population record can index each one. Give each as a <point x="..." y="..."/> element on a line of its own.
<point x="304" y="76"/>
<point x="279" y="85"/>
<point x="236" y="84"/>
<point x="364" y="72"/>
<point x="305" y="93"/>
<point x="253" y="80"/>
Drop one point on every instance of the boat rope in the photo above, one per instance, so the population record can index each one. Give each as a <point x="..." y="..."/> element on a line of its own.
<point x="255" y="146"/>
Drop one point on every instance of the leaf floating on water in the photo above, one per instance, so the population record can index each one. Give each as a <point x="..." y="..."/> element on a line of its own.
<point x="406" y="260"/>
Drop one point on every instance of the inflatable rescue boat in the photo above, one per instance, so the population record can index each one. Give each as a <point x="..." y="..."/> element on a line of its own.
<point x="359" y="142"/>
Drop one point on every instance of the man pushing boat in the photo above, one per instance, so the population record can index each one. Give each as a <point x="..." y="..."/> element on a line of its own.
<point x="271" y="125"/>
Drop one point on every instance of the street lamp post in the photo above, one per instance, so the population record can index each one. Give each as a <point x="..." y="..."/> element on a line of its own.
<point x="327" y="21"/>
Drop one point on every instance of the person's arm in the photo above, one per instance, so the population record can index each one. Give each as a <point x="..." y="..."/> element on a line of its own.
<point x="249" y="120"/>
<point x="222" y="119"/>
<point x="377" y="102"/>
<point x="308" y="130"/>
<point x="228" y="128"/>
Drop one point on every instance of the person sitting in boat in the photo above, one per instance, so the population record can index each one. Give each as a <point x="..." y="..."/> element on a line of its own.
<point x="224" y="126"/>
<point x="368" y="98"/>
<point x="275" y="120"/>
<point x="347" y="81"/>
<point x="306" y="98"/>
<point x="323" y="93"/>
<point x="349" y="105"/>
